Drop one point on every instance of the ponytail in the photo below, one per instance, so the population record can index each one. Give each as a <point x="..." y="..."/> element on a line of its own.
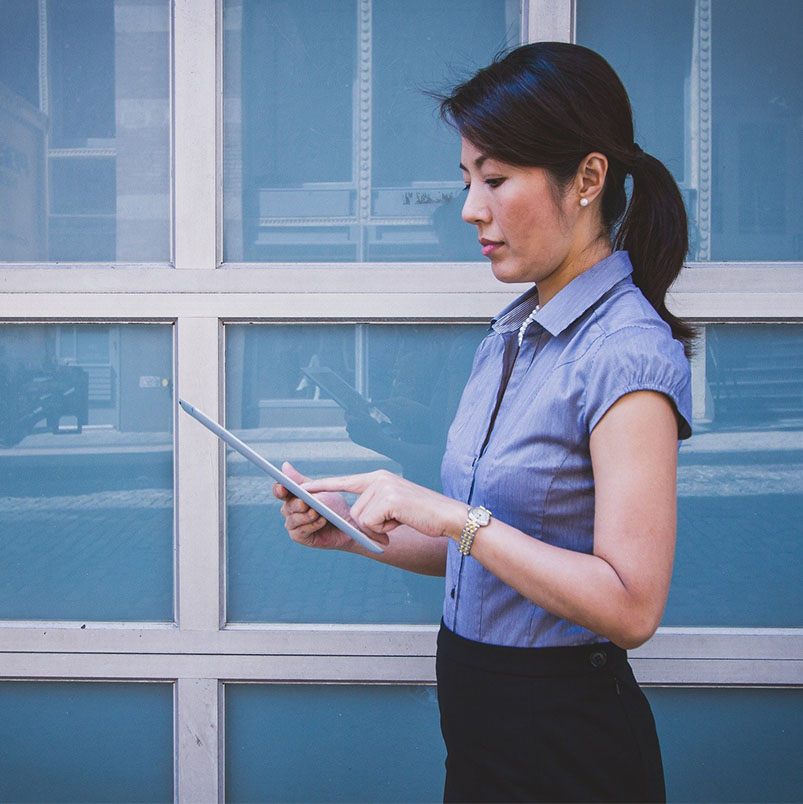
<point x="654" y="232"/>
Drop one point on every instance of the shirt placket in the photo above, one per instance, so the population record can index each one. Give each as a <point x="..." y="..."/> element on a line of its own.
<point x="516" y="360"/>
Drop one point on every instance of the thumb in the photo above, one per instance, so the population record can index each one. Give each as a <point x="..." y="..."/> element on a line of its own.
<point x="293" y="473"/>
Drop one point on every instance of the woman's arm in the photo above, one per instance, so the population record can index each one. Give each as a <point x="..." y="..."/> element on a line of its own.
<point x="620" y="590"/>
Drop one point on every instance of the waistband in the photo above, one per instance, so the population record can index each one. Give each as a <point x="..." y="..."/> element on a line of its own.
<point x="560" y="661"/>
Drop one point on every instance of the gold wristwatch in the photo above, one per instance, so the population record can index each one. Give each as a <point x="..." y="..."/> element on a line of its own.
<point x="477" y="518"/>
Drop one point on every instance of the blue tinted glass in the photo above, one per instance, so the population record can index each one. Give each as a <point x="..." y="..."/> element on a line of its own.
<point x="740" y="476"/>
<point x="730" y="745"/>
<point x="84" y="130"/>
<point x="344" y="743"/>
<point x="86" y="472"/>
<point x="81" y="742"/>
<point x="282" y="387"/>
<point x="740" y="483"/>
<point x="715" y="89"/>
<point x="332" y="149"/>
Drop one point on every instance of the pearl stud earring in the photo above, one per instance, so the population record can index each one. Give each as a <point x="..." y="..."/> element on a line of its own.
<point x="583" y="202"/>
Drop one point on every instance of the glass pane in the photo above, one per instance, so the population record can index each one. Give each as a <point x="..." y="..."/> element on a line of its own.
<point x="732" y="745"/>
<point x="86" y="472"/>
<point x="280" y="384"/>
<point x="740" y="542"/>
<point x="82" y="742"/>
<point x="346" y="743"/>
<point x="84" y="131"/>
<point x="341" y="158"/>
<point x="740" y="476"/>
<point x="716" y="94"/>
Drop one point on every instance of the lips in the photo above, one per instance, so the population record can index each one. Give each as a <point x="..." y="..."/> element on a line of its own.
<point x="489" y="246"/>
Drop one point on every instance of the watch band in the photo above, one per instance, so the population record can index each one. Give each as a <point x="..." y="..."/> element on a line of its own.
<point x="477" y="517"/>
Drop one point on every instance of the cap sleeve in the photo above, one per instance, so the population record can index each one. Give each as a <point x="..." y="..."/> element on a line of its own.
<point x="638" y="359"/>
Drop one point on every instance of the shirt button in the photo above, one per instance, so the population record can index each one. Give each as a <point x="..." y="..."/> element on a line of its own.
<point x="598" y="658"/>
<point x="452" y="593"/>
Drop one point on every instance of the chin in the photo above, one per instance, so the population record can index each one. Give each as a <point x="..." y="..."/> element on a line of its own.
<point x="510" y="274"/>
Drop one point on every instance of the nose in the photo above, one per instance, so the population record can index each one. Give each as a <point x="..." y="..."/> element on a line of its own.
<point x="474" y="211"/>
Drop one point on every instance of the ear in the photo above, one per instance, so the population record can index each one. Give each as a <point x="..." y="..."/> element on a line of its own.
<point x="590" y="178"/>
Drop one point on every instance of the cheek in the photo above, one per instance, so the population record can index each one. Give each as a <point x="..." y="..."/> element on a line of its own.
<point x="532" y="230"/>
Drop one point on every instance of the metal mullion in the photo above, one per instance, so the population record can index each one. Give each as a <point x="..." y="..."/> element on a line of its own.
<point x="317" y="669"/>
<point x="196" y="111"/>
<point x="379" y="640"/>
<point x="549" y="20"/>
<point x="366" y="307"/>
<point x="740" y="281"/>
<point x="363" y="133"/>
<point x="198" y="595"/>
<point x="199" y="758"/>
<point x="22" y="279"/>
<point x="198" y="503"/>
<point x="287" y="307"/>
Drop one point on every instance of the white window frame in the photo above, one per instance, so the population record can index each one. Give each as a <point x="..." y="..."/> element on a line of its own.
<point x="199" y="295"/>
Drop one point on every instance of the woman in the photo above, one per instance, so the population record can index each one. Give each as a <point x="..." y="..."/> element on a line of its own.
<point x="556" y="528"/>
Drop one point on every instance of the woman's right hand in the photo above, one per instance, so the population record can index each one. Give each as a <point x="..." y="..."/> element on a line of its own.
<point x="304" y="524"/>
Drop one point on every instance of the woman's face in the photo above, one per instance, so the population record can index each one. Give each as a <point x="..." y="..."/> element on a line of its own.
<point x="527" y="232"/>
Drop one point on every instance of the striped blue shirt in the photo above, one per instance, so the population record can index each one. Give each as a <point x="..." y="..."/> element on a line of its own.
<point x="519" y="443"/>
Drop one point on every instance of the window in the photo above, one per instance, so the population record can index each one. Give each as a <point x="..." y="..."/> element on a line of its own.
<point x="84" y="131"/>
<point x="341" y="158"/>
<point x="73" y="741"/>
<point x="406" y="381"/>
<point x="86" y="472"/>
<point x="717" y="98"/>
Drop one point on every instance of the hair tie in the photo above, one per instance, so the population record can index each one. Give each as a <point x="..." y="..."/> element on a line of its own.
<point x="638" y="155"/>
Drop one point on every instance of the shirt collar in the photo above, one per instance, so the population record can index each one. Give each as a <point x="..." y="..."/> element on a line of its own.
<point x="570" y="302"/>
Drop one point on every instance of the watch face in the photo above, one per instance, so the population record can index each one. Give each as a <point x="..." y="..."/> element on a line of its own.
<point x="482" y="516"/>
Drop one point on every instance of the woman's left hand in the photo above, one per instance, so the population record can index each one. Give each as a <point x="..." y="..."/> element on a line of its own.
<point x="387" y="501"/>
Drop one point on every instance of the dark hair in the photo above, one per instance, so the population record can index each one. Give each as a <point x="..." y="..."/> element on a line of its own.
<point x="550" y="104"/>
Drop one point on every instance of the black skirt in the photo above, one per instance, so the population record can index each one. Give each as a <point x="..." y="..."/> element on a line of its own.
<point x="544" y="724"/>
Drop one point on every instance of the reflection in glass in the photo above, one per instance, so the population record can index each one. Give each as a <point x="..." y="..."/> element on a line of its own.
<point x="740" y="483"/>
<point x="334" y="399"/>
<point x="86" y="472"/>
<point x="718" y="98"/>
<point x="333" y="743"/>
<point x="746" y="743"/>
<point x="341" y="157"/>
<point x="84" y="131"/>
<point x="740" y="476"/>
<point x="83" y="742"/>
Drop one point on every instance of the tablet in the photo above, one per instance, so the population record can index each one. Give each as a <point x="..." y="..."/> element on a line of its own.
<point x="277" y="474"/>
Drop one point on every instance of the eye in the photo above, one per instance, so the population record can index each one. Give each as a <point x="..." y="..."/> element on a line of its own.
<point x="493" y="183"/>
<point x="466" y="188"/>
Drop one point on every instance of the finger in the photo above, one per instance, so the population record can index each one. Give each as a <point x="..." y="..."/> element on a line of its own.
<point x="371" y="516"/>
<point x="302" y="517"/>
<point x="377" y="528"/>
<point x="375" y="523"/>
<point x="280" y="492"/>
<point x="296" y="522"/>
<point x="361" y="503"/>
<point x="302" y="533"/>
<point x="353" y="483"/>
<point x="294" y="506"/>
<point x="293" y="473"/>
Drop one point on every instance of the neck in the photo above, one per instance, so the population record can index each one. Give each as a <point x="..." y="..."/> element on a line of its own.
<point x="574" y="265"/>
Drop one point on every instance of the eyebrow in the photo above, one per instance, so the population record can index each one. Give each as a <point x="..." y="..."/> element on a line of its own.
<point x="477" y="162"/>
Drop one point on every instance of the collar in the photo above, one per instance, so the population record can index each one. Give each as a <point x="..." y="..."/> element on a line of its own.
<point x="570" y="302"/>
